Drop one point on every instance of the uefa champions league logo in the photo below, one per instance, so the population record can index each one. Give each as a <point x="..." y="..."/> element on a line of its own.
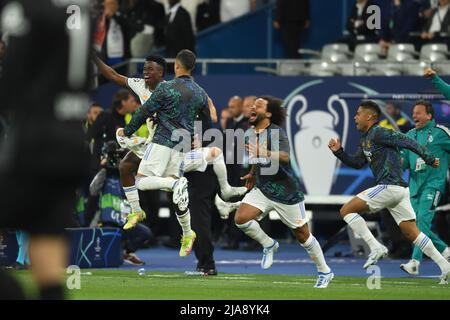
<point x="309" y="143"/>
<point x="314" y="116"/>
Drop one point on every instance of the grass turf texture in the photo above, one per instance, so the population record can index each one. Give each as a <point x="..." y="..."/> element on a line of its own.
<point x="120" y="284"/>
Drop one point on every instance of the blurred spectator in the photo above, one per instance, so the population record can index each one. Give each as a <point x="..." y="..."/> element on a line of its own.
<point x="224" y="116"/>
<point x="190" y="6"/>
<point x="437" y="26"/>
<point x="105" y="126"/>
<point x="247" y="105"/>
<point x="110" y="37"/>
<point x="237" y="121"/>
<point x="394" y="110"/>
<point x="179" y="34"/>
<point x="231" y="9"/>
<point x="94" y="110"/>
<point x="400" y="21"/>
<point x="356" y="29"/>
<point x="208" y="14"/>
<point x="292" y="17"/>
<point x="144" y="25"/>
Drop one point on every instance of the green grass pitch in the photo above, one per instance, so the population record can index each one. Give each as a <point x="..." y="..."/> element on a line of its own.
<point x="123" y="284"/>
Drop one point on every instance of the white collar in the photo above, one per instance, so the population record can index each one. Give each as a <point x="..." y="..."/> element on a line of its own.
<point x="444" y="8"/>
<point x="174" y="9"/>
<point x="237" y="119"/>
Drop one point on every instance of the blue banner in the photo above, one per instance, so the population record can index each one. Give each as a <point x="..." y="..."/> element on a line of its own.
<point x="95" y="247"/>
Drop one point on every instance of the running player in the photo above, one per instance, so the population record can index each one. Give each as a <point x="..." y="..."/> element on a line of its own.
<point x="280" y="191"/>
<point x="379" y="147"/>
<point x="177" y="104"/>
<point x="196" y="160"/>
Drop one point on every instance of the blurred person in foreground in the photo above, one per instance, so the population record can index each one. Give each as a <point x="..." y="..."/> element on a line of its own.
<point x="44" y="159"/>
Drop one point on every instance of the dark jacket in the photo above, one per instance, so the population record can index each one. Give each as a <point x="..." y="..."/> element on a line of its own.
<point x="208" y="14"/>
<point x="148" y="12"/>
<point x="235" y="169"/>
<point x="103" y="130"/>
<point x="121" y="21"/>
<point x="292" y="10"/>
<point x="400" y="21"/>
<point x="445" y="24"/>
<point x="362" y="30"/>
<point x="179" y="33"/>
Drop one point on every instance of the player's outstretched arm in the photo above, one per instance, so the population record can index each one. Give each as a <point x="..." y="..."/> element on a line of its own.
<point x="437" y="82"/>
<point x="397" y="139"/>
<point x="356" y="160"/>
<point x="110" y="74"/>
<point x="212" y="110"/>
<point x="147" y="110"/>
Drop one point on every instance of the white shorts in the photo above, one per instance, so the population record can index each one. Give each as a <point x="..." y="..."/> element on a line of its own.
<point x="161" y="161"/>
<point x="196" y="160"/>
<point x="292" y="215"/>
<point x="391" y="197"/>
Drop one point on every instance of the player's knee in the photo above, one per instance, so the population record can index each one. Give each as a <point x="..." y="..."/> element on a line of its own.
<point x="215" y="152"/>
<point x="240" y="219"/>
<point x="302" y="234"/>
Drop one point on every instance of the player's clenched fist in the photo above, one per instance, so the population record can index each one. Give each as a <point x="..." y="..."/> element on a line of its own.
<point x="334" y="144"/>
<point x="429" y="73"/>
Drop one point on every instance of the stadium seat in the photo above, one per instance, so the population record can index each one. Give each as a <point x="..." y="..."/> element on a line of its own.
<point x="414" y="68"/>
<point x="368" y="52"/>
<point x="322" y="69"/>
<point x="443" y="67"/>
<point x="336" y="52"/>
<point x="434" y="52"/>
<point x="401" y="52"/>
<point x="381" y="68"/>
<point x="292" y="68"/>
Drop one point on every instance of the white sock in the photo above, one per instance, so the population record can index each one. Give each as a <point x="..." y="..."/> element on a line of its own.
<point x="154" y="183"/>
<point x="254" y="231"/>
<point x="426" y="246"/>
<point x="314" y="250"/>
<point x="185" y="222"/>
<point x="133" y="198"/>
<point x="220" y="170"/>
<point x="359" y="226"/>
<point x="235" y="205"/>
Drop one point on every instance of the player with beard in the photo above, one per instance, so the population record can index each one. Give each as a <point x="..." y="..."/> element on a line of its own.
<point x="275" y="187"/>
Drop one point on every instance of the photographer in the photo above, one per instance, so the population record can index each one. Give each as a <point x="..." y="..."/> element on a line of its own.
<point x="103" y="130"/>
<point x="113" y="207"/>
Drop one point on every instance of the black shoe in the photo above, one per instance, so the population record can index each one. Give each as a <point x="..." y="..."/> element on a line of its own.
<point x="208" y="272"/>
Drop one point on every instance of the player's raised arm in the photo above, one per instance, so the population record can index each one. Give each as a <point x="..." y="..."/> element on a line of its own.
<point x="356" y="160"/>
<point x="145" y="111"/>
<point x="437" y="82"/>
<point x="397" y="139"/>
<point x="110" y="74"/>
